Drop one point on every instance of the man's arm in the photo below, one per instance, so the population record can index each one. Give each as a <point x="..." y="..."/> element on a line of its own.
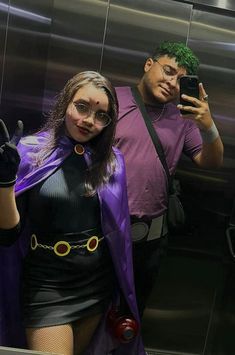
<point x="211" y="155"/>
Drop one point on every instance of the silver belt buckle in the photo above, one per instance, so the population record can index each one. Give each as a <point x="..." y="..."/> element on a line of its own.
<point x="139" y="231"/>
<point x="155" y="230"/>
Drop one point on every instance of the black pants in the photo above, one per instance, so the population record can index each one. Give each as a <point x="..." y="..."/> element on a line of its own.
<point x="146" y="260"/>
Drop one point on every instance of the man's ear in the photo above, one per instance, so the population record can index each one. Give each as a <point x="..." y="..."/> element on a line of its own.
<point x="148" y="64"/>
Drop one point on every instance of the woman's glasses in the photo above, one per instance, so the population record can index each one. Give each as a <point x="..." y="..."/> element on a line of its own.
<point x="84" y="110"/>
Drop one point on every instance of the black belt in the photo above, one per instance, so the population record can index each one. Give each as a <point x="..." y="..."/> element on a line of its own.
<point x="63" y="247"/>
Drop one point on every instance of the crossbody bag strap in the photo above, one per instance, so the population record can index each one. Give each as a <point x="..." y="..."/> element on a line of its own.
<point x="155" y="139"/>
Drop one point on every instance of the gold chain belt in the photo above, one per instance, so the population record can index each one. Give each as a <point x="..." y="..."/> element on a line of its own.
<point x="63" y="248"/>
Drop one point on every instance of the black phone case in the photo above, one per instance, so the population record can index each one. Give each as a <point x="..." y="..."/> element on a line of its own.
<point x="188" y="86"/>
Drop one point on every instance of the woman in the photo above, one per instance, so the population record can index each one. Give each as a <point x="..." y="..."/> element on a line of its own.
<point x="72" y="205"/>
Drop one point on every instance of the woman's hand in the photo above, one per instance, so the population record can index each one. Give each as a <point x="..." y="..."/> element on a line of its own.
<point x="9" y="156"/>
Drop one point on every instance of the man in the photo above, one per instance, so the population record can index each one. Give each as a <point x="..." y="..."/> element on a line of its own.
<point x="194" y="134"/>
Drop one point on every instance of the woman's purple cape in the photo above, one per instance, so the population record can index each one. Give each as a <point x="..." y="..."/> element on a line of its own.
<point x="116" y="229"/>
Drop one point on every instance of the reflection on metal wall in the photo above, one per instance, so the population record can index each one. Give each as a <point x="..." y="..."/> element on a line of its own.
<point x="134" y="28"/>
<point x="4" y="10"/>
<point x="76" y="41"/>
<point x="25" y="59"/>
<point x="217" y="4"/>
<point x="212" y="37"/>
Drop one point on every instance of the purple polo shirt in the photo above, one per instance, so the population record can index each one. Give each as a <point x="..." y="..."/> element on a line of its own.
<point x="146" y="178"/>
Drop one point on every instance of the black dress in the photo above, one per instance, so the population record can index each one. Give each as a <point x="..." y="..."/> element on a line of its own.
<point x="62" y="289"/>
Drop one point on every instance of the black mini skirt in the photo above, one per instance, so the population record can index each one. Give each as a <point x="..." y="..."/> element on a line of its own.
<point x="62" y="289"/>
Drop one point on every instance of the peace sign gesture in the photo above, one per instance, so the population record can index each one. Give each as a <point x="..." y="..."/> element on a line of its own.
<point x="9" y="156"/>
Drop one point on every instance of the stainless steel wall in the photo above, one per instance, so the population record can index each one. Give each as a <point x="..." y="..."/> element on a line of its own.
<point x="76" y="43"/>
<point x="134" y="28"/>
<point x="45" y="42"/>
<point x="212" y="37"/>
<point x="24" y="59"/>
<point x="4" y="9"/>
<point x="216" y="4"/>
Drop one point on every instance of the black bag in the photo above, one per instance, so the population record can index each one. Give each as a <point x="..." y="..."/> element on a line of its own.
<point x="175" y="212"/>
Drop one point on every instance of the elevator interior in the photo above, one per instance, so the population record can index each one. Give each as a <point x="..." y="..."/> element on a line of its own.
<point x="45" y="42"/>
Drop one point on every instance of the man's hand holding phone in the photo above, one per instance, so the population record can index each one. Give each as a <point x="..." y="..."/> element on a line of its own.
<point x="189" y="89"/>
<point x="194" y="101"/>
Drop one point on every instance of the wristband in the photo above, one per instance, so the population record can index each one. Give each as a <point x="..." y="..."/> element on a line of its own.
<point x="8" y="183"/>
<point x="210" y="135"/>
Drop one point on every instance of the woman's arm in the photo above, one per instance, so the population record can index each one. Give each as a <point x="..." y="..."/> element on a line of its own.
<point x="9" y="216"/>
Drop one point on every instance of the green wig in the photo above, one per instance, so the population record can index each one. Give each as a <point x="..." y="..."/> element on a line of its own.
<point x="182" y="54"/>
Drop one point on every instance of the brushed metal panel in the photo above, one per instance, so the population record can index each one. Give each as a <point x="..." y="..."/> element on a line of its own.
<point x="180" y="308"/>
<point x="220" y="4"/>
<point x="212" y="37"/>
<point x="76" y="42"/>
<point x="25" y="61"/>
<point x="17" y="351"/>
<point x="4" y="10"/>
<point x="134" y="29"/>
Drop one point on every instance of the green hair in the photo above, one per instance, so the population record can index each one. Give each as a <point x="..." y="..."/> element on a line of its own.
<point x="183" y="55"/>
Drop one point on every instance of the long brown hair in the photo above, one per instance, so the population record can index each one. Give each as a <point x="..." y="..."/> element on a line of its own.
<point x="102" y="157"/>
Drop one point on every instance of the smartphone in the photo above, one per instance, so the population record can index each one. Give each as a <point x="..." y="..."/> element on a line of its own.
<point x="189" y="85"/>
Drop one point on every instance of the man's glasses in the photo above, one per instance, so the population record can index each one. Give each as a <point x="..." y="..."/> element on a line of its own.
<point x="84" y="110"/>
<point x="167" y="71"/>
